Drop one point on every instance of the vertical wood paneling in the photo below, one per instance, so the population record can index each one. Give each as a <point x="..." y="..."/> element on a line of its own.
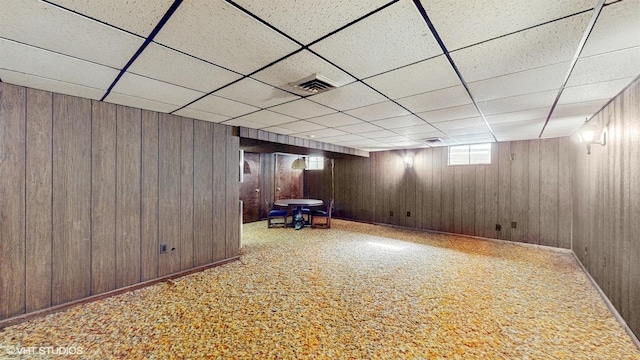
<point x="71" y="198"/>
<point x="219" y="186"/>
<point x="447" y="188"/>
<point x="519" y="208"/>
<point x="150" y="247"/>
<point x="368" y="198"/>
<point x="632" y="125"/>
<point x="549" y="192"/>
<point x="436" y="208"/>
<point x="169" y="193"/>
<point x="186" y="194"/>
<point x="458" y="179"/>
<point x="564" y="192"/>
<point x="233" y="194"/>
<point x="533" y="176"/>
<point x="491" y="194"/>
<point x="203" y="192"/>
<point x="612" y="257"/>
<point x="12" y="200"/>
<point x="428" y="191"/>
<point x="504" y="190"/>
<point x="38" y="199"/>
<point x="381" y="208"/>
<point x="468" y="200"/>
<point x="103" y="197"/>
<point x="479" y="224"/>
<point x="411" y="196"/>
<point x="419" y="175"/>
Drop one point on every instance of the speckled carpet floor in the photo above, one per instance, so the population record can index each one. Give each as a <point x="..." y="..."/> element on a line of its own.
<point x="354" y="291"/>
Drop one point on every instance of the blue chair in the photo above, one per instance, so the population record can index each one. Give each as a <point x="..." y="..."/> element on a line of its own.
<point x="276" y="214"/>
<point x="322" y="214"/>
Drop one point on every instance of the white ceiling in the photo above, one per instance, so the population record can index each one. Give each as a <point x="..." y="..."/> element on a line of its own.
<point x="232" y="62"/>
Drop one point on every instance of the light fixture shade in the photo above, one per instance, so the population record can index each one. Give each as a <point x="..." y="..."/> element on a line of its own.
<point x="299" y="164"/>
<point x="589" y="134"/>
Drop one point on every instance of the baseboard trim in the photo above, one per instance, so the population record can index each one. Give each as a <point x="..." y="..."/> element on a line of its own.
<point x="606" y="300"/>
<point x="56" y="308"/>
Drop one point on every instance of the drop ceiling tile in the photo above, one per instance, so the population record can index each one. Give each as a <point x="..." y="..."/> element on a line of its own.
<point x="520" y="83"/>
<point x="518" y="116"/>
<point x="161" y="63"/>
<point x="378" y="111"/>
<point x="37" y="82"/>
<point x="518" y="103"/>
<point x="587" y="108"/>
<point x="335" y="120"/>
<point x="217" y="105"/>
<point x="451" y="113"/>
<point x="523" y="130"/>
<point x="302" y="126"/>
<point x="302" y="109"/>
<point x="49" y="65"/>
<point x="597" y="91"/>
<point x="562" y="126"/>
<point x="348" y="97"/>
<point x="398" y="32"/>
<point x="398" y="122"/>
<point x="459" y="124"/>
<point x="378" y="134"/>
<point x="438" y="99"/>
<point x="201" y="115"/>
<point x="427" y="75"/>
<point x="471" y="130"/>
<point x="146" y="88"/>
<point x="475" y="138"/>
<point x="610" y="66"/>
<point x="299" y="66"/>
<point x="463" y="23"/>
<point x="426" y="135"/>
<point x="269" y="118"/>
<point x="50" y="27"/>
<point x="361" y="143"/>
<point x="617" y="28"/>
<point x="343" y="138"/>
<point x="359" y="128"/>
<point x="323" y="133"/>
<point x="541" y="46"/>
<point x="245" y="123"/>
<point x="218" y="32"/>
<point x="139" y="17"/>
<point x="255" y="93"/>
<point x="444" y="141"/>
<point x="407" y="144"/>
<point x="341" y="13"/>
<point x="394" y="138"/>
<point x="127" y="100"/>
<point x="418" y="129"/>
<point x="279" y="130"/>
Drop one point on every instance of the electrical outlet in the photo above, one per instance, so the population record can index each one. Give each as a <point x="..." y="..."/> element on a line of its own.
<point x="498" y="227"/>
<point x="408" y="213"/>
<point x="163" y="248"/>
<point x="390" y="212"/>
<point x="514" y="224"/>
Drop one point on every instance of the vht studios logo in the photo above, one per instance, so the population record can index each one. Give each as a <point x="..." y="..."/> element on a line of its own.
<point x="42" y="350"/>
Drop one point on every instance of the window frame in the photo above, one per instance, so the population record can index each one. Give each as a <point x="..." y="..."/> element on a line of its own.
<point x="469" y="148"/>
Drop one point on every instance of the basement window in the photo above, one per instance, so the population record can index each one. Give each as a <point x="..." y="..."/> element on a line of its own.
<point x="470" y="154"/>
<point x="315" y="163"/>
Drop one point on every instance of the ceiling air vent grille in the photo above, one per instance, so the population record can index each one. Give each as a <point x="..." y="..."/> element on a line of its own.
<point x="432" y="140"/>
<point x="314" y="84"/>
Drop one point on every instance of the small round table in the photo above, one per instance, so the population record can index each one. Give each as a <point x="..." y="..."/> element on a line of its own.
<point x="298" y="220"/>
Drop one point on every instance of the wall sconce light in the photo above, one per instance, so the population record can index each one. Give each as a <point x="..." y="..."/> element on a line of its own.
<point x="408" y="161"/>
<point x="592" y="134"/>
<point x="299" y="164"/>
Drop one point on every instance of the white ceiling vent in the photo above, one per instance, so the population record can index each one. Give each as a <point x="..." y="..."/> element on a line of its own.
<point x="432" y="140"/>
<point x="314" y="84"/>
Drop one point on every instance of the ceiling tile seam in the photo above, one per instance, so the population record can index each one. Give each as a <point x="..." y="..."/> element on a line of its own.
<point x="401" y="67"/>
<point x="52" y="79"/>
<point x="610" y="52"/>
<point x="90" y="18"/>
<point x="431" y="27"/>
<point x="263" y="22"/>
<point x="242" y="78"/>
<point x="592" y="22"/>
<point x="197" y="58"/>
<point x="144" y="45"/>
<point x="616" y="96"/>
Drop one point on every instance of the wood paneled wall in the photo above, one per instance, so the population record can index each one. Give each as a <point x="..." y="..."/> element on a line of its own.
<point x="606" y="205"/>
<point x="528" y="182"/>
<point x="89" y="191"/>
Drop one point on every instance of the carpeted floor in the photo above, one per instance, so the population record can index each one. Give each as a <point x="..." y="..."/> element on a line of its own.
<point x="355" y="291"/>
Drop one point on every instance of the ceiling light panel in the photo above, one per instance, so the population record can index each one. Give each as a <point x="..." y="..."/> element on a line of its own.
<point x="302" y="109"/>
<point x="302" y="126"/>
<point x="451" y="113"/>
<point x="201" y="115"/>
<point x="617" y="28"/>
<point x="518" y="103"/>
<point x="268" y="118"/>
<point x="222" y="106"/>
<point x="288" y="21"/>
<point x="398" y="32"/>
<point x="37" y="82"/>
<point x="255" y="93"/>
<point x="133" y="101"/>
<point x="428" y="75"/>
<point x="378" y="111"/>
<point x="46" y="64"/>
<point x="161" y="63"/>
<point x="398" y="122"/>
<point x="150" y="89"/>
<point x="541" y="46"/>
<point x="597" y="91"/>
<point x="218" y="32"/>
<point x="536" y="80"/>
<point x="438" y="99"/>
<point x="139" y="17"/>
<point x="50" y="27"/>
<point x="359" y="128"/>
<point x="333" y="120"/>
<point x="605" y="67"/>
<point x="463" y="23"/>
<point x="348" y="97"/>
<point x="299" y="66"/>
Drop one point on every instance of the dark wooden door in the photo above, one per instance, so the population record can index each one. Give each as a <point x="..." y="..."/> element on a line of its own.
<point x="250" y="192"/>
<point x="288" y="181"/>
